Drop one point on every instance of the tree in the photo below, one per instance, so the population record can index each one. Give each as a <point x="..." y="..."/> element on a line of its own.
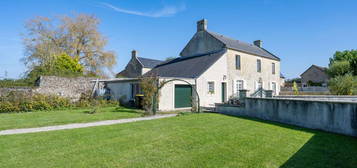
<point x="149" y="86"/>
<point x="295" y="88"/>
<point x="347" y="55"/>
<point x="343" y="85"/>
<point x="76" y="36"/>
<point x="338" y="68"/>
<point x="62" y="65"/>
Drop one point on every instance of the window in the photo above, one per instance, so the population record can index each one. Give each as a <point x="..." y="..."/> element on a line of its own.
<point x="273" y="87"/>
<point x="210" y="87"/>
<point x="239" y="86"/>
<point x="259" y="65"/>
<point x="273" y="68"/>
<point x="238" y="62"/>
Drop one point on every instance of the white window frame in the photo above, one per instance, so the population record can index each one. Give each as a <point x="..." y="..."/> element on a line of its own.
<point x="276" y="87"/>
<point x="273" y="68"/>
<point x="209" y="88"/>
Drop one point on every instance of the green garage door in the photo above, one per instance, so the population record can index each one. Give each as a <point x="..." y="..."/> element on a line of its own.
<point x="183" y="95"/>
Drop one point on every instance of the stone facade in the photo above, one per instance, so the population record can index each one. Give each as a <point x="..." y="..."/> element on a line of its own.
<point x="132" y="70"/>
<point x="315" y="74"/>
<point x="62" y="86"/>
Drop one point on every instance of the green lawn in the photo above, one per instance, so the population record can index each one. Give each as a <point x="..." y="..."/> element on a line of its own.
<point x="197" y="140"/>
<point x="46" y="118"/>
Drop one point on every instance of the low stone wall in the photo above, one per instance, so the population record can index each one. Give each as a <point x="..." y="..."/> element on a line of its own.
<point x="337" y="117"/>
<point x="6" y="91"/>
<point x="337" y="98"/>
<point x="71" y="88"/>
<point x="62" y="86"/>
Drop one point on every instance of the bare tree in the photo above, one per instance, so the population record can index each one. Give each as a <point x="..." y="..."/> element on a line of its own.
<point x="77" y="36"/>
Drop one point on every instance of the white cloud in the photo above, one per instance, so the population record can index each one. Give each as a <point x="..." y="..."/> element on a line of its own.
<point x="164" y="12"/>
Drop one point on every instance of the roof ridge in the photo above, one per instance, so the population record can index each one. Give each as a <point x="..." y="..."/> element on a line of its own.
<point x="189" y="57"/>
<point x="150" y="59"/>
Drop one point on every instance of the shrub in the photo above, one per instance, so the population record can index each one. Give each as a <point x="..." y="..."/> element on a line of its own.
<point x="343" y="85"/>
<point x="21" y="102"/>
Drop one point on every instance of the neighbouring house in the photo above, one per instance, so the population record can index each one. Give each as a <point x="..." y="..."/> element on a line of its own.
<point x="314" y="76"/>
<point x="217" y="66"/>
<point x="138" y="66"/>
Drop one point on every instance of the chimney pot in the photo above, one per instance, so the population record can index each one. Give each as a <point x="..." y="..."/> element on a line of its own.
<point x="258" y="43"/>
<point x="134" y="54"/>
<point x="202" y="25"/>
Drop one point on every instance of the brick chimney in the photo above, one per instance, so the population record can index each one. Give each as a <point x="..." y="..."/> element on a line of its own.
<point x="258" y="43"/>
<point x="202" y="25"/>
<point x="134" y="54"/>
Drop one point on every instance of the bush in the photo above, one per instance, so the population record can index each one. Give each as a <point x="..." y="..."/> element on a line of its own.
<point x="343" y="85"/>
<point x="21" y="102"/>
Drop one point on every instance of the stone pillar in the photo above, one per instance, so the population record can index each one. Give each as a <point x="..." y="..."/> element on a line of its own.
<point x="268" y="93"/>
<point x="243" y="94"/>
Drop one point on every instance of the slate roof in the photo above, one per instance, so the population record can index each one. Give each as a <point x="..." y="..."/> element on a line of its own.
<point x="149" y="63"/>
<point x="186" y="67"/>
<point x="243" y="46"/>
<point x="322" y="69"/>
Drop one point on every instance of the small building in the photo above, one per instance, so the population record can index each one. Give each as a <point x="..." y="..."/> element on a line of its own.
<point x="138" y="66"/>
<point x="218" y="67"/>
<point x="314" y="76"/>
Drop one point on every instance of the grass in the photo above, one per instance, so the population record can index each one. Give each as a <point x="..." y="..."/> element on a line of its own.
<point x="58" y="117"/>
<point x="196" y="140"/>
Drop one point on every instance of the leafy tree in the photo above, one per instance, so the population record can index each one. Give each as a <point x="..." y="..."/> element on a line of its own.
<point x="76" y="36"/>
<point x="62" y="65"/>
<point x="338" y="68"/>
<point x="343" y="85"/>
<point x="149" y="86"/>
<point x="347" y="55"/>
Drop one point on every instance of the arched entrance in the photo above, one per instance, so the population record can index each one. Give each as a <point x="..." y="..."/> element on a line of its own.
<point x="154" y="105"/>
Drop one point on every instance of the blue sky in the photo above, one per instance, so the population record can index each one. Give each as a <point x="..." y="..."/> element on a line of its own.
<point x="300" y="32"/>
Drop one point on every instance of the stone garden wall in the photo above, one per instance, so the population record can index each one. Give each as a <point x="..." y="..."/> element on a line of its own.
<point x="62" y="86"/>
<point x="328" y="115"/>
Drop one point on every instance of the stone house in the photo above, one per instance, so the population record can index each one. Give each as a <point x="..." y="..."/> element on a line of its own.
<point x="138" y="66"/>
<point x="314" y="75"/>
<point x="217" y="66"/>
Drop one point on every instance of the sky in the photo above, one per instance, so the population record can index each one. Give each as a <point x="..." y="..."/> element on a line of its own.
<point x="300" y="32"/>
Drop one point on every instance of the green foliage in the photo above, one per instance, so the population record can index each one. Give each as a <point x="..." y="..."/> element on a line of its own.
<point x="343" y="85"/>
<point x="295" y="89"/>
<point x="338" y="68"/>
<point x="149" y="86"/>
<point x="62" y="65"/>
<point x="347" y="55"/>
<point x="21" y="102"/>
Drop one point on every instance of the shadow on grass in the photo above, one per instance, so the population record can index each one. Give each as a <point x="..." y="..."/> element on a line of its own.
<point x="127" y="110"/>
<point x="323" y="149"/>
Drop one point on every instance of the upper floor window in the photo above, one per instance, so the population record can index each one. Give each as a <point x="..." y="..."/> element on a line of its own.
<point x="238" y="62"/>
<point x="273" y="68"/>
<point x="259" y="65"/>
<point x="210" y="87"/>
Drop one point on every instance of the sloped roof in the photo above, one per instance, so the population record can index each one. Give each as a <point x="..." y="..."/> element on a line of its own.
<point x="243" y="46"/>
<point x="149" y="63"/>
<point x="322" y="69"/>
<point x="186" y="67"/>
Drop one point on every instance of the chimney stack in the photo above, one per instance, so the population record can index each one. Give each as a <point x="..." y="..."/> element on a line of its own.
<point x="134" y="54"/>
<point x="202" y="25"/>
<point x="258" y="43"/>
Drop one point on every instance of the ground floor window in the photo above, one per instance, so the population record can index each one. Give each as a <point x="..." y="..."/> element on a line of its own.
<point x="135" y="89"/>
<point x="239" y="86"/>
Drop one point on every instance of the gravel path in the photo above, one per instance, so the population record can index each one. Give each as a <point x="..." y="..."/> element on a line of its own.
<point x="81" y="125"/>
